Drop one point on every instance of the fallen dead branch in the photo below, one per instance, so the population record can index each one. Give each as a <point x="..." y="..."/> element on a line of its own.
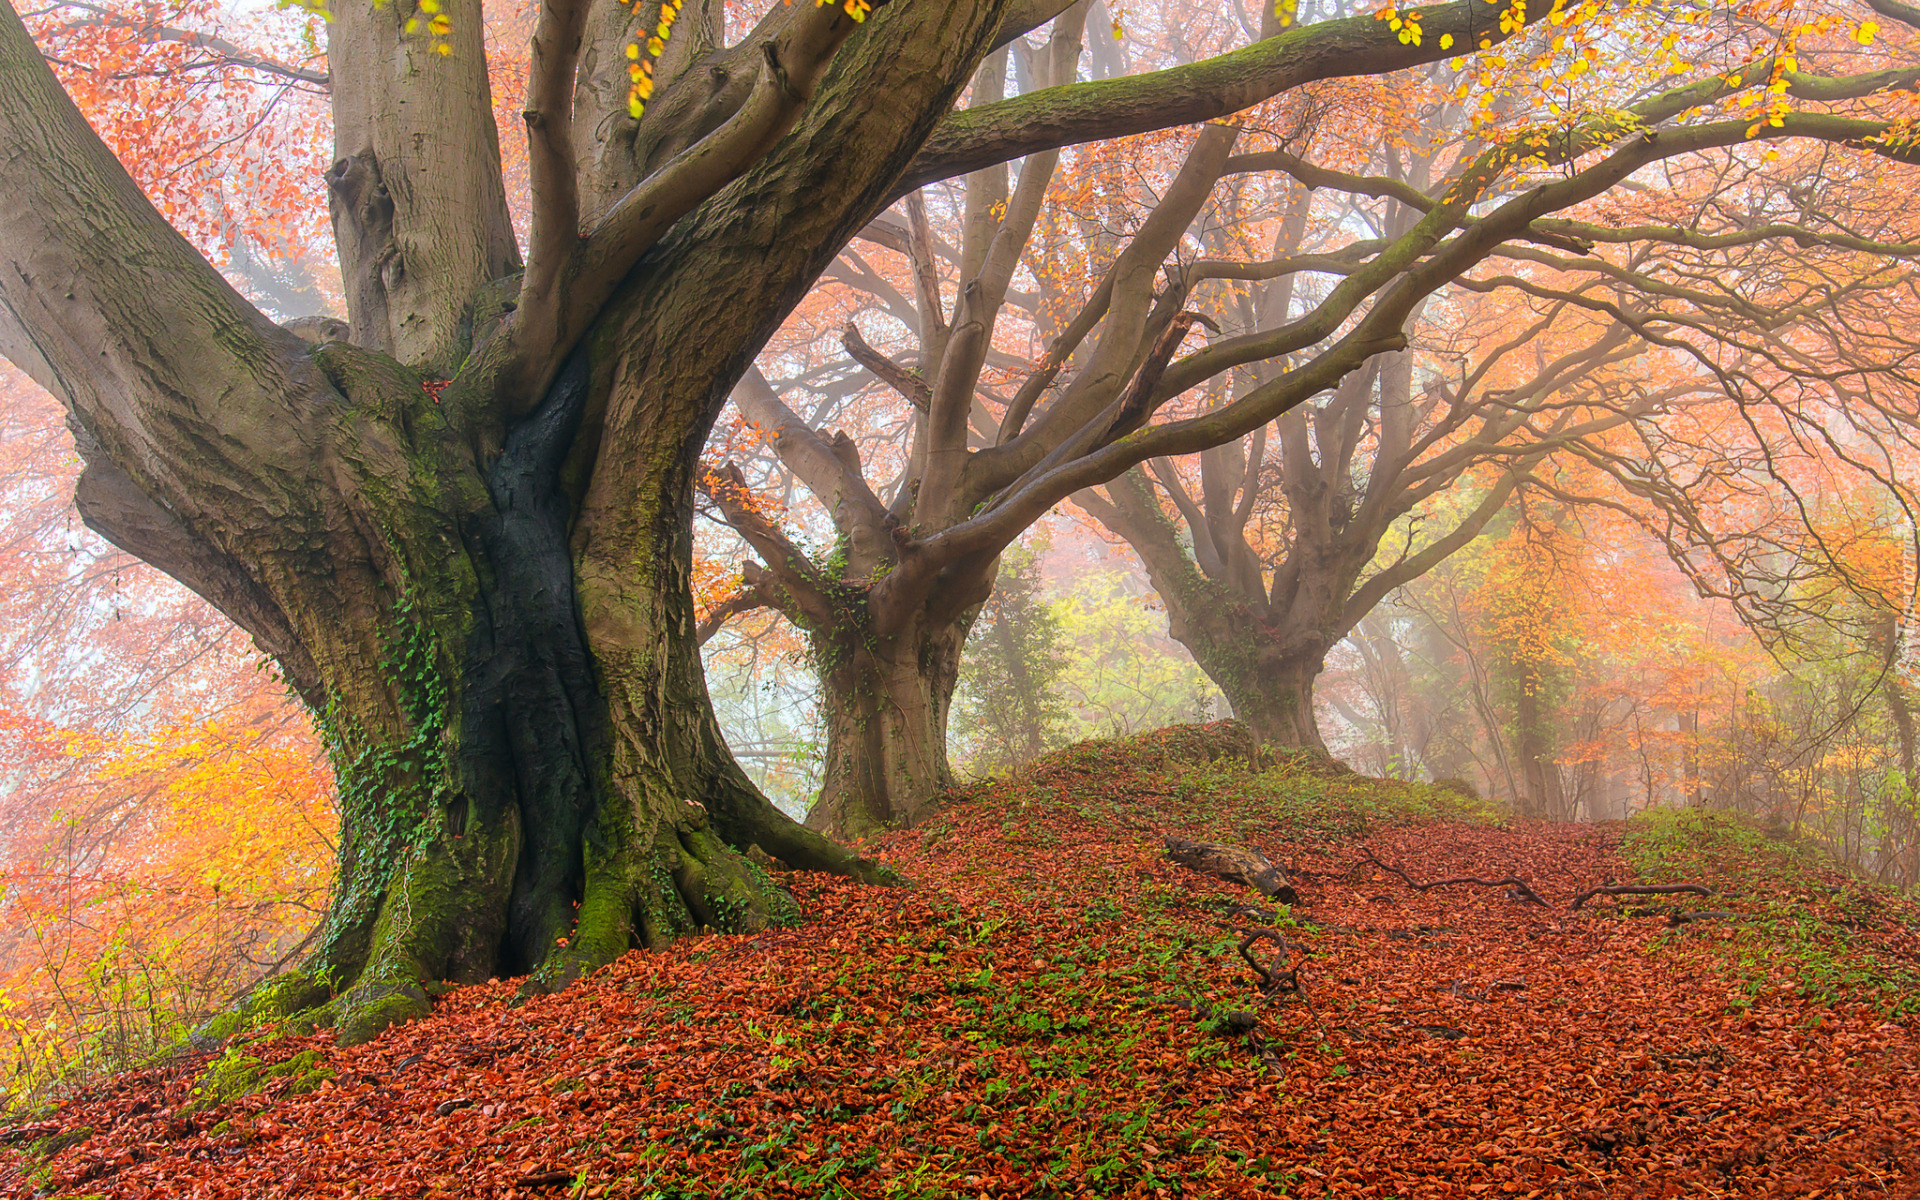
<point x="1640" y="889"/>
<point x="1519" y="888"/>
<point x="545" y="1179"/>
<point x="1273" y="980"/>
<point x="1235" y="864"/>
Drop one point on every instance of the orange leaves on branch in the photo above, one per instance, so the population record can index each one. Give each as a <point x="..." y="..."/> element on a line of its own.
<point x="228" y="138"/>
<point x="166" y="828"/>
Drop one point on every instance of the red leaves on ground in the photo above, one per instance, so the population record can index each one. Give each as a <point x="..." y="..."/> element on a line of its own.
<point x="1009" y="1028"/>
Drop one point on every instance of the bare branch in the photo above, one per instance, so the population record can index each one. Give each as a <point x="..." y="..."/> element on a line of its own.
<point x="911" y="386"/>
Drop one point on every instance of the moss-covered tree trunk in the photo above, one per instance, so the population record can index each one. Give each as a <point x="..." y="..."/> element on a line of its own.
<point x="887" y="703"/>
<point x="483" y="593"/>
<point x="1271" y="691"/>
<point x="513" y="799"/>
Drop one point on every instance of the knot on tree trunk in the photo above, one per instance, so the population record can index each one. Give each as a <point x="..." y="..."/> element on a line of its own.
<point x="362" y="211"/>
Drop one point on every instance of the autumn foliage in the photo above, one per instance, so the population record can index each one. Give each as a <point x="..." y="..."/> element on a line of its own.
<point x="166" y="819"/>
<point x="1634" y="604"/>
<point x="1058" y="1010"/>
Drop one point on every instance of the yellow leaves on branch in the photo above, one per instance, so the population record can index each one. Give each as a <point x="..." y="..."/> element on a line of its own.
<point x="437" y="24"/>
<point x="1406" y="25"/>
<point x="642" y="54"/>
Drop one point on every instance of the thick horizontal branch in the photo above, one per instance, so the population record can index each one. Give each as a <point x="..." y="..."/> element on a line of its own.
<point x="916" y="390"/>
<point x="1204" y="91"/>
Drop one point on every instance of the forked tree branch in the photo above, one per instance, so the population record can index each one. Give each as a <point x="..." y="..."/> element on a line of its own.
<point x="551" y="318"/>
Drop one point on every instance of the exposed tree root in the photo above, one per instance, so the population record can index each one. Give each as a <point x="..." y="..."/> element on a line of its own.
<point x="1273" y="980"/>
<point x="1520" y="889"/>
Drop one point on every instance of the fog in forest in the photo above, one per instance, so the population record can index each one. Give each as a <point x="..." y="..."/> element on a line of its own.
<point x="490" y="490"/>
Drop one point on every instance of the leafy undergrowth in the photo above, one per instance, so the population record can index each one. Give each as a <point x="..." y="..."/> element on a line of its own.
<point x="1023" y="1023"/>
<point x="1795" y="920"/>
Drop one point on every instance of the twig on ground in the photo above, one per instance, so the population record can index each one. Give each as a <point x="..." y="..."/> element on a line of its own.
<point x="1679" y="917"/>
<point x="1521" y="889"/>
<point x="1641" y="889"/>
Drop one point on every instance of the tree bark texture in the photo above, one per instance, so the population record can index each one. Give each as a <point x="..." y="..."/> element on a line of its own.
<point x="494" y="631"/>
<point x="887" y="706"/>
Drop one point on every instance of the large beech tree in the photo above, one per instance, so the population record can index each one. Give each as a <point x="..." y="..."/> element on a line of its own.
<point x="1267" y="551"/>
<point x="460" y="523"/>
<point x="481" y="585"/>
<point x="887" y="604"/>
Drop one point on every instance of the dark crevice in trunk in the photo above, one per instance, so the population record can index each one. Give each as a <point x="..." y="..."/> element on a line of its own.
<point x="534" y="719"/>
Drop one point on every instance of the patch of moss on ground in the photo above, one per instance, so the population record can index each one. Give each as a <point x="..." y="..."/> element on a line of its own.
<point x="1220" y="785"/>
<point x="52" y="1144"/>
<point x="235" y="1074"/>
<point x="1796" y="919"/>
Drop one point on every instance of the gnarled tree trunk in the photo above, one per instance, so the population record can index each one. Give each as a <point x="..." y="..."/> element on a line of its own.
<point x="513" y="800"/>
<point x="1263" y="656"/>
<point x="887" y="703"/>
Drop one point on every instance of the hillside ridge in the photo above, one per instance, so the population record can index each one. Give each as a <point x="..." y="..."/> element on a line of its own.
<point x="1056" y="1008"/>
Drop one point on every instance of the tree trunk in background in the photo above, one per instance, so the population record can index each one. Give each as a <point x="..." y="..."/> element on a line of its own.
<point x="887" y="705"/>
<point x="1265" y="663"/>
<point x="1539" y="798"/>
<point x="1267" y="678"/>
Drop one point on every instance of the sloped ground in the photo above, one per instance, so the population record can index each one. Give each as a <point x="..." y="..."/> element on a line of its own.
<point x="1023" y="1023"/>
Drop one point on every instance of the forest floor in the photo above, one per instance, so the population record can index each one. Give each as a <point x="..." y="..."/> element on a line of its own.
<point x="1049" y="1011"/>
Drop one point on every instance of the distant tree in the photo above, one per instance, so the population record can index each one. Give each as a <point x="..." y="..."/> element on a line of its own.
<point x="1010" y="705"/>
<point x="1581" y="343"/>
<point x="885" y="597"/>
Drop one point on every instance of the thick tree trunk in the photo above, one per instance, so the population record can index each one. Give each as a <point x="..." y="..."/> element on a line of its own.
<point x="1267" y="676"/>
<point x="1273" y="694"/>
<point x="512" y="799"/>
<point x="887" y="706"/>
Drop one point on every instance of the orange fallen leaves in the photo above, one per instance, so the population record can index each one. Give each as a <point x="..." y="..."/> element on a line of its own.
<point x="1002" y="1029"/>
